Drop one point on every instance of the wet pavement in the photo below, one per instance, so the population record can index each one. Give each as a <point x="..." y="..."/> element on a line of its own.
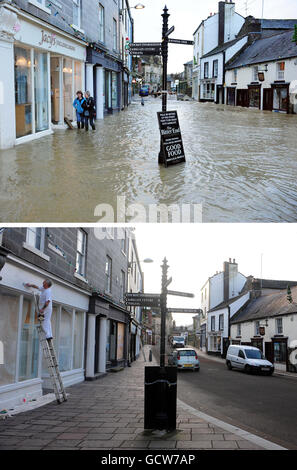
<point x="241" y="166"/>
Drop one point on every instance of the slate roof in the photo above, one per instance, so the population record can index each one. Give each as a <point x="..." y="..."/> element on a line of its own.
<point x="221" y="48"/>
<point x="278" y="24"/>
<point x="280" y="46"/>
<point x="226" y="303"/>
<point x="270" y="304"/>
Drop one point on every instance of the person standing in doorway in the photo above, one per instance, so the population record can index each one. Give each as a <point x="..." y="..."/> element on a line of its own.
<point x="77" y="104"/>
<point x="89" y="110"/>
<point x="45" y="306"/>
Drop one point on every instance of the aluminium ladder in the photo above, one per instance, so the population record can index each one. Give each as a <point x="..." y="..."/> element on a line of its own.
<point x="51" y="360"/>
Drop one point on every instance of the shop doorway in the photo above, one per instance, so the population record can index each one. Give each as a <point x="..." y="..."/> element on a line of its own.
<point x="267" y="99"/>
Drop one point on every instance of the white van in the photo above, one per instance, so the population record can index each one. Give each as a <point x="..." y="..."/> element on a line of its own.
<point x="249" y="359"/>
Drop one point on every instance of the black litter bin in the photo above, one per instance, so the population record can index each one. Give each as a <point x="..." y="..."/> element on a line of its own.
<point x="160" y="392"/>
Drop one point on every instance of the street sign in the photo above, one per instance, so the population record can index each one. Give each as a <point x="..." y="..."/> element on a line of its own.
<point x="181" y="41"/>
<point x="183" y="310"/>
<point x="180" y="294"/>
<point x="142" y="300"/>
<point x="145" y="48"/>
<point x="171" y="139"/>
<point x="169" y="31"/>
<point x="168" y="282"/>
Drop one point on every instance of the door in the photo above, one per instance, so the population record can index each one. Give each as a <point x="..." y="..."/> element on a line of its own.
<point x="267" y="99"/>
<point x="97" y="335"/>
<point x="269" y="352"/>
<point x="243" y="98"/>
<point x="241" y="359"/>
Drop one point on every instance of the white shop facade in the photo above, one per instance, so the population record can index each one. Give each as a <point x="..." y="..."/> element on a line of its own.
<point x="44" y="68"/>
<point x="23" y="371"/>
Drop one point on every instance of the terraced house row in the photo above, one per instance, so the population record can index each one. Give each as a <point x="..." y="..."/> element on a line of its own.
<point x="93" y="330"/>
<point x="51" y="49"/>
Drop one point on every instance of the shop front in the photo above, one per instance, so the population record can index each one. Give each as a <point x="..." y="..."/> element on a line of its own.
<point x="103" y="80"/>
<point x="254" y="96"/>
<point x="281" y="97"/>
<point x="24" y="373"/>
<point x="45" y="69"/>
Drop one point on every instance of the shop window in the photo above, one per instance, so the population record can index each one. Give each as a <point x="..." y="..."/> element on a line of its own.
<point x="114" y="90"/>
<point x="78" y="340"/>
<point x="41" y="91"/>
<point x="23" y="92"/>
<point x="279" y="326"/>
<point x="254" y="97"/>
<point x="35" y="237"/>
<point x="54" y="322"/>
<point x="280" y="98"/>
<point x="120" y="341"/>
<point x="67" y="85"/>
<point x="81" y="252"/>
<point x="108" y="273"/>
<point x="280" y="352"/>
<point x="29" y="346"/>
<point x="111" y="340"/>
<point x="101" y="23"/>
<point x="8" y="335"/>
<point x="77" y="76"/>
<point x="65" y="339"/>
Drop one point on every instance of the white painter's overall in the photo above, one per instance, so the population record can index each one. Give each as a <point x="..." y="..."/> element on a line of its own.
<point x="45" y="295"/>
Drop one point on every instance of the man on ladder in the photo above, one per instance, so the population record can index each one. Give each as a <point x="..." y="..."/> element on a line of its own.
<point x="44" y="311"/>
<point x="45" y="307"/>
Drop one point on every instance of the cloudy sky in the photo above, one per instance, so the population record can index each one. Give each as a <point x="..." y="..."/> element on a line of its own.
<point x="197" y="251"/>
<point x="186" y="15"/>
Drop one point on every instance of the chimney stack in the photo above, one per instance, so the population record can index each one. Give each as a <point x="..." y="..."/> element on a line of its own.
<point x="221" y="38"/>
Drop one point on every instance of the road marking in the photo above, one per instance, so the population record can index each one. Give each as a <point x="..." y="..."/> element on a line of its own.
<point x="259" y="441"/>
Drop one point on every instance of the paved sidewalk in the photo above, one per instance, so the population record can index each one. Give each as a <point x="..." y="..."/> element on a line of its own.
<point x="108" y="414"/>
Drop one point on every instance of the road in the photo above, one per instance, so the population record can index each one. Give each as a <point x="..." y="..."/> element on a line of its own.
<point x="240" y="167"/>
<point x="265" y="406"/>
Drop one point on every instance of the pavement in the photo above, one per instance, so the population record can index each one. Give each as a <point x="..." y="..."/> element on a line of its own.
<point x="109" y="414"/>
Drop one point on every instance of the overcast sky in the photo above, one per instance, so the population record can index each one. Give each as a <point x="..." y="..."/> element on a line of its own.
<point x="186" y="15"/>
<point x="197" y="251"/>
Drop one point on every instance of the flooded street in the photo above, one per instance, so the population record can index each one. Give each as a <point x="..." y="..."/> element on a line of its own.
<point x="241" y="166"/>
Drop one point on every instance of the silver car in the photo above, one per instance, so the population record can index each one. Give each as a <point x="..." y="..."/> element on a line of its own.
<point x="184" y="358"/>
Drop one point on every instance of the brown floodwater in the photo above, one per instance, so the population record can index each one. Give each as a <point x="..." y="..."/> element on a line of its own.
<point x="241" y="166"/>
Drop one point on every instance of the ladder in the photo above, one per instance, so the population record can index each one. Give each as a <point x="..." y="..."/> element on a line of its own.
<point x="49" y="354"/>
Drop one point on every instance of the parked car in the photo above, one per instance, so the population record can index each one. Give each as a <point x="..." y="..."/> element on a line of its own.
<point x="185" y="358"/>
<point x="144" y="90"/>
<point x="249" y="359"/>
<point x="178" y="342"/>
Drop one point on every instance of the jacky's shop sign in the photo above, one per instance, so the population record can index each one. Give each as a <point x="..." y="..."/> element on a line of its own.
<point x="53" y="41"/>
<point x="171" y="139"/>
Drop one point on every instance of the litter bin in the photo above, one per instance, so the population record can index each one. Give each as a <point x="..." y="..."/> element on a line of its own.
<point x="160" y="392"/>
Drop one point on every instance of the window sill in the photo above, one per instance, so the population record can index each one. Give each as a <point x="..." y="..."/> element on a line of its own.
<point x="81" y="278"/>
<point x="76" y="28"/>
<point x="35" y="251"/>
<point x="41" y="7"/>
<point x="55" y="250"/>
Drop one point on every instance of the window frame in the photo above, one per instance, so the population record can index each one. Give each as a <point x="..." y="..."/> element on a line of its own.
<point x="215" y="64"/>
<point x="206" y="70"/>
<point x="279" y="328"/>
<point x="101" y="23"/>
<point x="221" y="322"/>
<point x="84" y="254"/>
<point x="213" y="323"/>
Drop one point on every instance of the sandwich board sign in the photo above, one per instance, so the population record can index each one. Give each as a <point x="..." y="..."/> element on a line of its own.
<point x="171" y="139"/>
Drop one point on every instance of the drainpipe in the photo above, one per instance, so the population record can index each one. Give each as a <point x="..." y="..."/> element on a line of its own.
<point x="224" y="75"/>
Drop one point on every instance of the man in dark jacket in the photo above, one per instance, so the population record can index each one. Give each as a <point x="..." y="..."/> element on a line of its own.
<point x="89" y="110"/>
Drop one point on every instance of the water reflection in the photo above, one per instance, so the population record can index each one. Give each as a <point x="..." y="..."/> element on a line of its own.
<point x="241" y="165"/>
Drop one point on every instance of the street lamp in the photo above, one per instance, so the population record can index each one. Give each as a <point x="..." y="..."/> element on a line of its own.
<point x="139" y="6"/>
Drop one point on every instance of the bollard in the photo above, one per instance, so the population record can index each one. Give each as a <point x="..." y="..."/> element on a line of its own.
<point x="150" y="356"/>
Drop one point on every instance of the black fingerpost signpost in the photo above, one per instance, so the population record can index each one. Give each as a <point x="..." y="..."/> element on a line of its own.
<point x="171" y="146"/>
